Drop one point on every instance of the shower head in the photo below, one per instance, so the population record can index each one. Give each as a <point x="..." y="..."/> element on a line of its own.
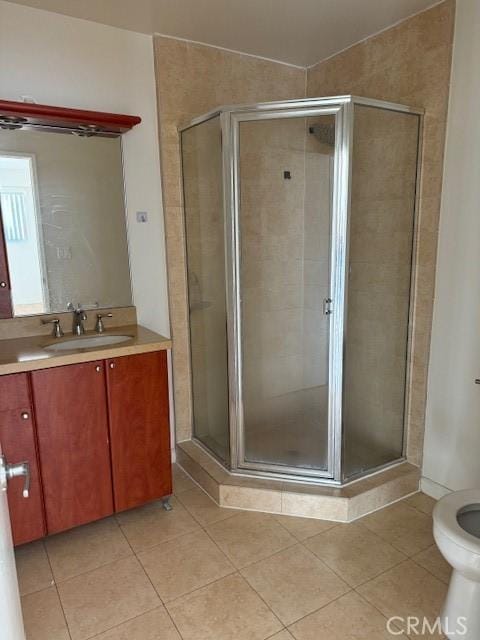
<point x="323" y="132"/>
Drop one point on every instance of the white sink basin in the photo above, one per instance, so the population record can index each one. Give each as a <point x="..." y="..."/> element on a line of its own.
<point x="88" y="342"/>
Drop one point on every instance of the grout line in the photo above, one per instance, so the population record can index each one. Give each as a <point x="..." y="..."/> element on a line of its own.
<point x="166" y="602"/>
<point x="208" y="584"/>
<point x="163" y="543"/>
<point x="350" y="590"/>
<point x="417" y="508"/>
<point x="390" y="542"/>
<point x="276" y="632"/>
<point x="335" y="523"/>
<point x="162" y="604"/>
<point x="408" y="559"/>
<point x="268" y="557"/>
<point x="56" y="589"/>
<point x="259" y="595"/>
<point x="100" y="633"/>
<point x="404" y="558"/>
<point x="371" y="604"/>
<point x="53" y="582"/>
<point x="134" y="555"/>
<point x="276" y="553"/>
<point x="288" y="546"/>
<point x="100" y="566"/>
<point x="238" y="571"/>
<point x="412" y="558"/>
<point x="355" y="590"/>
<point x="202" y="524"/>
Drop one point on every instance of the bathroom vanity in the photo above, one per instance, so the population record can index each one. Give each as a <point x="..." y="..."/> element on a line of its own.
<point x="92" y="424"/>
<point x="84" y="415"/>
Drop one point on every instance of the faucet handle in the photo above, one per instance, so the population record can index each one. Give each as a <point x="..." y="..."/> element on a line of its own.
<point x="82" y="307"/>
<point x="57" y="329"/>
<point x="100" y="327"/>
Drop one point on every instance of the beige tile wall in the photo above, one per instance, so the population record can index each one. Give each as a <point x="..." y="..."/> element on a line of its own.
<point x="409" y="63"/>
<point x="191" y="80"/>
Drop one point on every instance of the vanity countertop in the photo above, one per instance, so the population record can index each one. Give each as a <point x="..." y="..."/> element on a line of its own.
<point x="29" y="353"/>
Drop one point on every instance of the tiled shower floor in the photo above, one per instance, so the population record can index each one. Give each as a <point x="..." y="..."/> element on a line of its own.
<point x="201" y="572"/>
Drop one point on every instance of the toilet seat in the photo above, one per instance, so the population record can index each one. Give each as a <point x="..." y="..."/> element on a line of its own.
<point x="445" y="518"/>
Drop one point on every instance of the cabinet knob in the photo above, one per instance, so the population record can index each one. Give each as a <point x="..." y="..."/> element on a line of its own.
<point x="98" y="368"/>
<point x="3" y="284"/>
<point x="112" y="365"/>
<point x="24" y="415"/>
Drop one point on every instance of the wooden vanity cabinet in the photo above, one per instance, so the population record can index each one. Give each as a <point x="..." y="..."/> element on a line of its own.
<point x="96" y="436"/>
<point x="72" y="429"/>
<point x="139" y="428"/>
<point x="17" y="435"/>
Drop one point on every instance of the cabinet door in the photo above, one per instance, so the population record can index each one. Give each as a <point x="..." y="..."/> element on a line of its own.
<point x="139" y="428"/>
<point x="17" y="435"/>
<point x="71" y="412"/>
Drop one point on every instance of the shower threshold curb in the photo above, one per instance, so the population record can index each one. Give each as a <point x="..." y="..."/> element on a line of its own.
<point x="340" y="504"/>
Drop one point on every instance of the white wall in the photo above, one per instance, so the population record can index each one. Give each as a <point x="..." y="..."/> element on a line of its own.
<point x="452" y="441"/>
<point x="74" y="63"/>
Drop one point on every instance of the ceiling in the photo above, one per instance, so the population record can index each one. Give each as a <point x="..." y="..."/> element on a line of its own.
<point x="299" y="32"/>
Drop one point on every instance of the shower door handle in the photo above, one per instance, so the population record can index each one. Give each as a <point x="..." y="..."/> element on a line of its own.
<point x="327" y="306"/>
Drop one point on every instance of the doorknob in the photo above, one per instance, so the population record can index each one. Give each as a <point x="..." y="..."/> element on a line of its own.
<point x="10" y="471"/>
<point x="3" y="284"/>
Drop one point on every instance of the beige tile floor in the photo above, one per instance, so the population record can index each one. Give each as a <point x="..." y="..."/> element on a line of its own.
<point x="201" y="572"/>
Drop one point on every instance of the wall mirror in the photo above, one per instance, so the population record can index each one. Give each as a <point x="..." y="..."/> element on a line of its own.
<point x="63" y="221"/>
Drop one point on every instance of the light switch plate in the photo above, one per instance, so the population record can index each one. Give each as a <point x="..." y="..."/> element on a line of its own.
<point x="64" y="253"/>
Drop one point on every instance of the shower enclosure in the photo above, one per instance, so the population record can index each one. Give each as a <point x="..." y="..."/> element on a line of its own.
<point x="300" y="234"/>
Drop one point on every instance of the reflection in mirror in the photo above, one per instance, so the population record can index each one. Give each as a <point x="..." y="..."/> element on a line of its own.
<point x="63" y="216"/>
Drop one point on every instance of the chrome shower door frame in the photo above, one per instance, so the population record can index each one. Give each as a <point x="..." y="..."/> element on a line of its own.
<point x="342" y="109"/>
<point x="230" y="118"/>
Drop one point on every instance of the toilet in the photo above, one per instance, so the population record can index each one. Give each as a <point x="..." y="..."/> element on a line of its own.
<point x="456" y="529"/>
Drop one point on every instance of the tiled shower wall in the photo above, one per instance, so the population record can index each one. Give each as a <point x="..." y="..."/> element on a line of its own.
<point x="408" y="63"/>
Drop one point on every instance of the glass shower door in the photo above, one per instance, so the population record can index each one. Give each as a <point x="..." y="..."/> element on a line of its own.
<point x="205" y="248"/>
<point x="382" y="220"/>
<point x="284" y="227"/>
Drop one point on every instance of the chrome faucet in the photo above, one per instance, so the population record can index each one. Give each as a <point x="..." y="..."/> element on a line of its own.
<point x="79" y="317"/>
<point x="57" y="329"/>
<point x="100" y="327"/>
